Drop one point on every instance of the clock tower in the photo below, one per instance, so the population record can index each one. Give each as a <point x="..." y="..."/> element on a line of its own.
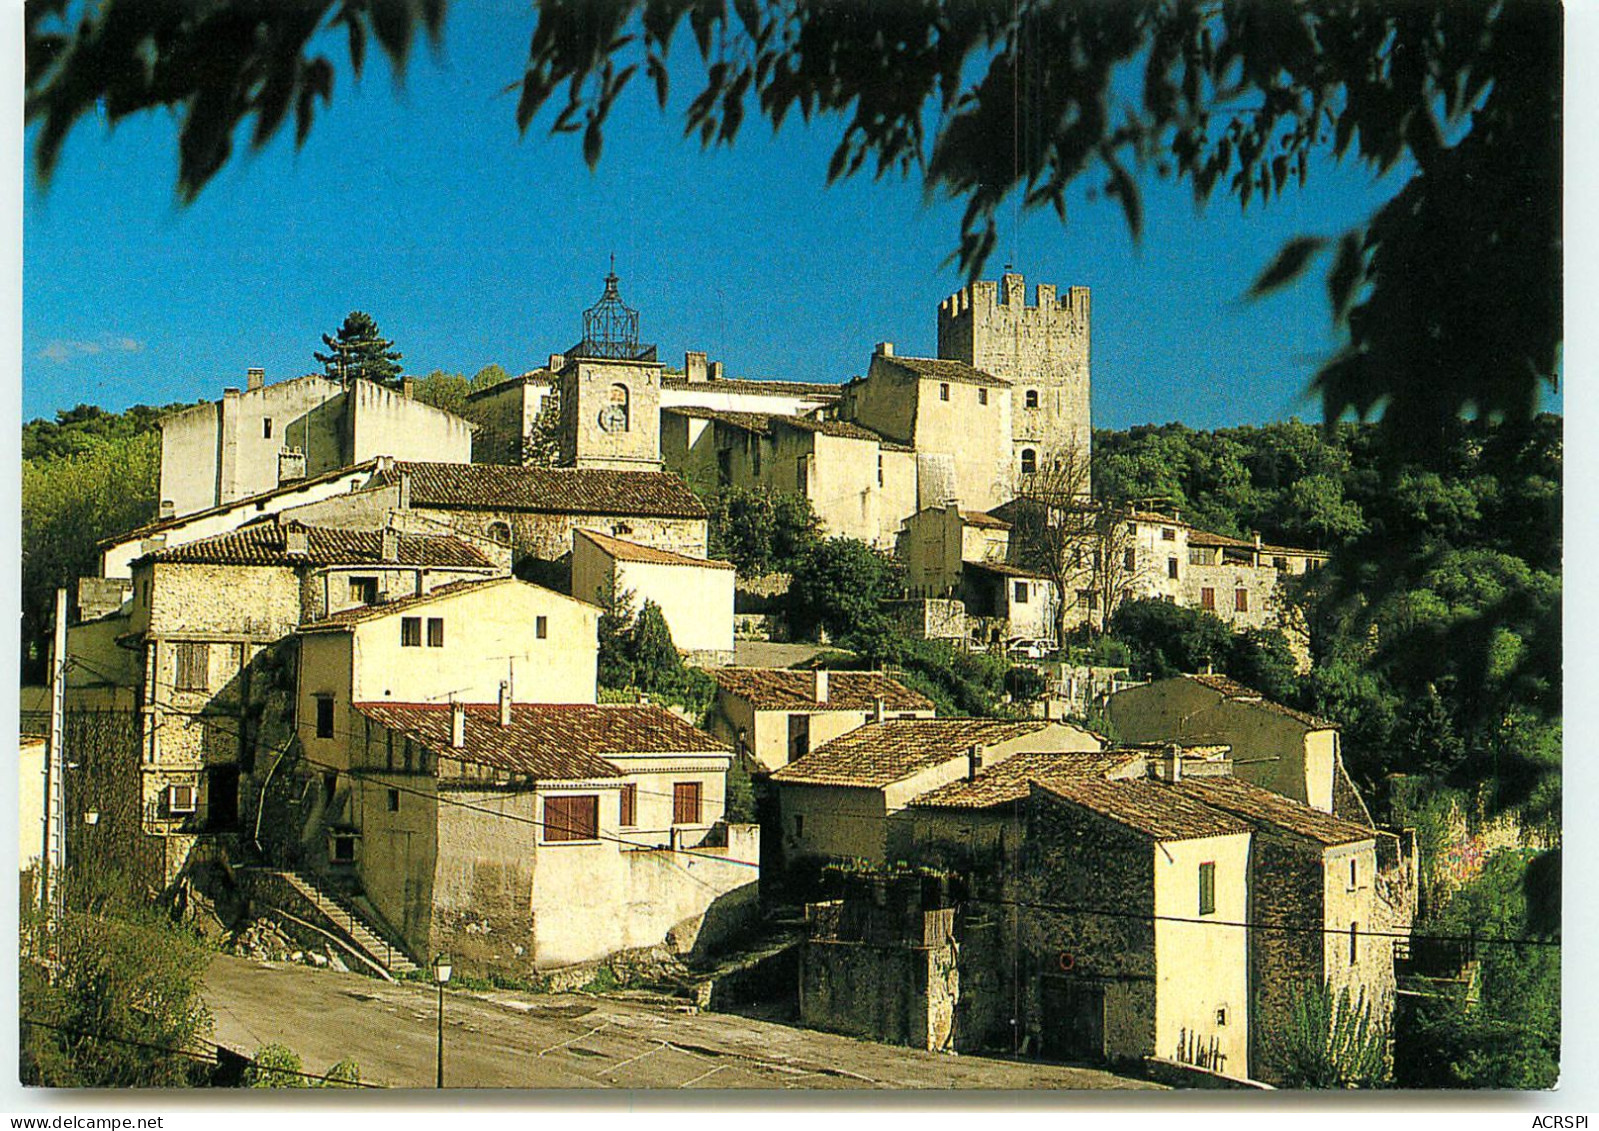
<point x="611" y="391"/>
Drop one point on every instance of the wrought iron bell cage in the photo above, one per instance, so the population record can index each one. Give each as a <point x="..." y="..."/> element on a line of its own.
<point x="610" y="326"/>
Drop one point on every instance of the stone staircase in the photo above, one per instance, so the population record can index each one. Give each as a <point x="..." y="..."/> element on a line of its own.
<point x="338" y="913"/>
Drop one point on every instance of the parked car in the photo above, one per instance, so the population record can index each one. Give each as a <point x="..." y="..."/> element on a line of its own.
<point x="1025" y="648"/>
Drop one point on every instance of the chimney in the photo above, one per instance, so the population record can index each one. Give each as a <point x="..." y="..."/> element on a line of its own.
<point x="716" y="371"/>
<point x="408" y="388"/>
<point x="457" y="725"/>
<point x="254" y="379"/>
<point x="694" y="366"/>
<point x="974" y="761"/>
<point x="884" y="349"/>
<point x="391" y="544"/>
<point x="819" y="685"/>
<point x="1169" y="766"/>
<point x="404" y="503"/>
<point x="877" y="709"/>
<point x="505" y="702"/>
<point x="296" y="541"/>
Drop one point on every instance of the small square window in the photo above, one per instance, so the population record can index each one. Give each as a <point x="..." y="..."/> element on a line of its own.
<point x="410" y="632"/>
<point x="1168" y="534"/>
<point x="943" y="392"/>
<point x="435" y="632"/>
<point x="364" y="590"/>
<point x="541" y="627"/>
<point x="1221" y="1017"/>
<point x="344" y="850"/>
<point x="982" y="396"/>
<point x="1020" y="594"/>
<point x="1030" y="400"/>
<point x="394" y="801"/>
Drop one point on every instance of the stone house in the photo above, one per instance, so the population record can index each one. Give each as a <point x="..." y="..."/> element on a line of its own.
<point x="254" y="441"/>
<point x="1289" y="752"/>
<point x="197" y="659"/>
<point x="533" y="510"/>
<point x="118" y="552"/>
<point x="956" y="418"/>
<point x="1134" y="902"/>
<point x="1007" y="602"/>
<point x="695" y="594"/>
<point x="860" y="484"/>
<point x="517" y="837"/>
<point x="1320" y="915"/>
<point x="937" y="543"/>
<point x="834" y="803"/>
<point x="774" y="716"/>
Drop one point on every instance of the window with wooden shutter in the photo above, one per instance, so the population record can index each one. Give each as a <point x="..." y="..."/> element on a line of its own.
<point x="410" y="632"/>
<point x="1207" y="889"/>
<point x="686" y="803"/>
<point x="1207" y="598"/>
<point x="629" y="805"/>
<point x="572" y="818"/>
<point x="193" y="668"/>
<point x="435" y="632"/>
<point x="1241" y="600"/>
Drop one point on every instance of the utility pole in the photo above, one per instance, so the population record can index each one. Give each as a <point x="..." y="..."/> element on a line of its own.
<point x="52" y="860"/>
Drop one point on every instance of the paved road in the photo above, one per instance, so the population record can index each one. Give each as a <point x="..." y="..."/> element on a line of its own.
<point x="505" y="1040"/>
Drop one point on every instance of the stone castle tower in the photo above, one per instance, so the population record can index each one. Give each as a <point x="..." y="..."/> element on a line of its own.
<point x="1041" y="349"/>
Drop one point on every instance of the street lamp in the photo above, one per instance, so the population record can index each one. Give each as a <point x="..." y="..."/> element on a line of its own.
<point x="441" y="975"/>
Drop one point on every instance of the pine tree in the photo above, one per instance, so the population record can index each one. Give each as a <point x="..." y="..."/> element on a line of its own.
<point x="359" y="350"/>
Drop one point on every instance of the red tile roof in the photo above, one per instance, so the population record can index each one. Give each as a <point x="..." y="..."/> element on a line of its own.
<point x="983" y="520"/>
<point x="551" y="742"/>
<point x="633" y="552"/>
<point x="1256" y="804"/>
<point x="781" y="689"/>
<point x="880" y="754"/>
<point x="264" y="543"/>
<point x="1156" y="810"/>
<point x="762" y="423"/>
<point x="1012" y="779"/>
<point x="546" y="490"/>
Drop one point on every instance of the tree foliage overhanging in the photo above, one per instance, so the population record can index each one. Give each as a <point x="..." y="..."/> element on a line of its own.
<point x="1448" y="297"/>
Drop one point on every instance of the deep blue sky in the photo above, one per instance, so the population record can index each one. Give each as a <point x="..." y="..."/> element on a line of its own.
<point x="469" y="245"/>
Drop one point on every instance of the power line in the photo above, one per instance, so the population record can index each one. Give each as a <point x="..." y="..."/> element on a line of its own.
<point x="189" y="1053"/>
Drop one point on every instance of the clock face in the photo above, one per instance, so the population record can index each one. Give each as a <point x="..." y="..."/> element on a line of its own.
<point x="613" y="418"/>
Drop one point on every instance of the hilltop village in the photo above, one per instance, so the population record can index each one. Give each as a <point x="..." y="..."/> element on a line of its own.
<point x="349" y="679"/>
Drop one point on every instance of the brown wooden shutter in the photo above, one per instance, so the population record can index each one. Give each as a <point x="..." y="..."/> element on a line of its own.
<point x="629" y="805"/>
<point x="686" y="803"/>
<point x="572" y="818"/>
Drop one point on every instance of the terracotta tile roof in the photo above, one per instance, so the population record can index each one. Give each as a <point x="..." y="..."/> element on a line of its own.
<point x="547" y="741"/>
<point x="1231" y="689"/>
<point x="546" y="490"/>
<point x="633" y="552"/>
<point x="985" y="521"/>
<point x="938" y="369"/>
<point x="1206" y="538"/>
<point x="1151" y="808"/>
<point x="748" y="385"/>
<point x="1256" y="804"/>
<point x="263" y="543"/>
<point x="355" y="469"/>
<point x="880" y="754"/>
<point x="779" y="689"/>
<point x="1297" y="551"/>
<point x="1012" y="779"/>
<point x="341" y="621"/>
